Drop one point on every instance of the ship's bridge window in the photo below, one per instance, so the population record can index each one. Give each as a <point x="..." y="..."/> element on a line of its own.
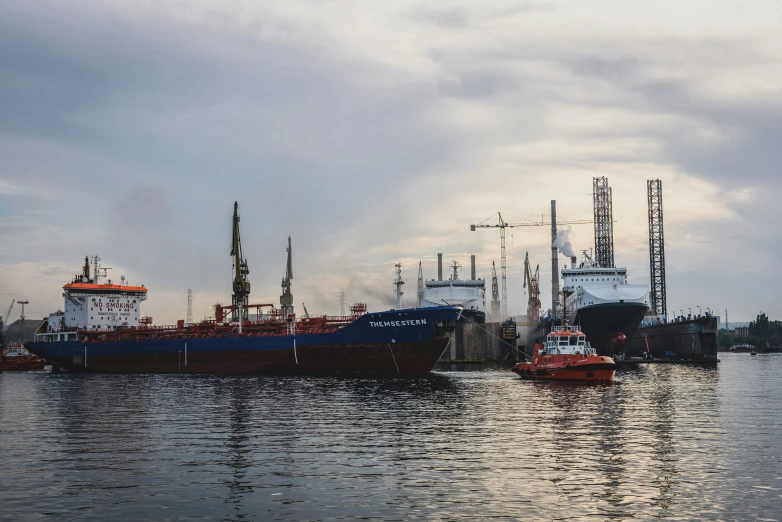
<point x="573" y="340"/>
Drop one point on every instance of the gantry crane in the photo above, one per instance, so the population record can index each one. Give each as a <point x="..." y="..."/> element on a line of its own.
<point x="502" y="225"/>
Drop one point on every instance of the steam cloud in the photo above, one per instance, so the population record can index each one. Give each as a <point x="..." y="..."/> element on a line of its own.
<point x="563" y="242"/>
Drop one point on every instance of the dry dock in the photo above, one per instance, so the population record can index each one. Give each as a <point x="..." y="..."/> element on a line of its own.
<point x="688" y="339"/>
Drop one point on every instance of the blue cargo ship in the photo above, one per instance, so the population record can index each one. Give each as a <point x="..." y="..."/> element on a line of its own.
<point x="392" y="342"/>
<point x="101" y="329"/>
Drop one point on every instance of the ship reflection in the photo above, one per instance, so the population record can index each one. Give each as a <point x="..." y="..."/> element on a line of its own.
<point x="238" y="447"/>
<point x="587" y="441"/>
<point x="281" y="455"/>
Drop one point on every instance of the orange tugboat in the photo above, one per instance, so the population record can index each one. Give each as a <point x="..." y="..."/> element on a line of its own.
<point x="567" y="356"/>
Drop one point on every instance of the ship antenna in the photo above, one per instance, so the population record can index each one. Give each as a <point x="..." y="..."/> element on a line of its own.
<point x="96" y="273"/>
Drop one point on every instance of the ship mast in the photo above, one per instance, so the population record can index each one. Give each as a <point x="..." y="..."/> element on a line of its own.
<point x="241" y="284"/>
<point x="398" y="287"/>
<point x="455" y="266"/>
<point x="420" y="285"/>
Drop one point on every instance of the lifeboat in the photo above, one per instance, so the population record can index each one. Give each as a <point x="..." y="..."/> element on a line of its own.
<point x="567" y="356"/>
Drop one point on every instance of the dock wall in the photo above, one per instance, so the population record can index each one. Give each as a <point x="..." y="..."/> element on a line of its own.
<point x="689" y="339"/>
<point x="472" y="342"/>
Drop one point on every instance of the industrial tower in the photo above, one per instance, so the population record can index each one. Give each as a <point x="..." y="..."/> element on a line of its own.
<point x="604" y="223"/>
<point x="241" y="284"/>
<point x="420" y="285"/>
<point x="657" y="247"/>
<point x="343" y="299"/>
<point x="495" y="292"/>
<point x="189" y="306"/>
<point x="398" y="287"/>
<point x="286" y="299"/>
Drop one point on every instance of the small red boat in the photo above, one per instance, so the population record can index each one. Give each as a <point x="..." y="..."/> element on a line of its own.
<point x="16" y="358"/>
<point x="567" y="356"/>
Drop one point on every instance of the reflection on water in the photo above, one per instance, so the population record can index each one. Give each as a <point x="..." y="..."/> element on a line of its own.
<point x="668" y="442"/>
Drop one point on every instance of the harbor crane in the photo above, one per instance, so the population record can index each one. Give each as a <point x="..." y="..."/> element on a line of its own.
<point x="495" y="292"/>
<point x="502" y="225"/>
<point x="241" y="284"/>
<point x="306" y="313"/>
<point x="532" y="282"/>
<point x="286" y="299"/>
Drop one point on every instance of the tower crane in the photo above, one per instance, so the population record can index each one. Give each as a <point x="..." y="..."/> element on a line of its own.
<point x="502" y="225"/>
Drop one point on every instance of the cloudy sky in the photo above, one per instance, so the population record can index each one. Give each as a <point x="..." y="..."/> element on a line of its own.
<point x="377" y="132"/>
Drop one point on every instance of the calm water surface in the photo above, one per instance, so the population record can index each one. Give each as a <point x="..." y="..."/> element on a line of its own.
<point x="668" y="442"/>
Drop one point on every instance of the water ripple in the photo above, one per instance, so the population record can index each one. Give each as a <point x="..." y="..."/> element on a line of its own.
<point x="665" y="442"/>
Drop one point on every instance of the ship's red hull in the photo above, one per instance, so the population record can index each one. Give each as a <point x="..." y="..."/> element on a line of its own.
<point x="20" y="363"/>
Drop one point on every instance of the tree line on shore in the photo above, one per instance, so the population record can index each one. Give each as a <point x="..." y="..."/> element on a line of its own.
<point x="763" y="333"/>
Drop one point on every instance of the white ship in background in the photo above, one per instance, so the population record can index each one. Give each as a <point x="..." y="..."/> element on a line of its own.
<point x="470" y="294"/>
<point x="603" y="304"/>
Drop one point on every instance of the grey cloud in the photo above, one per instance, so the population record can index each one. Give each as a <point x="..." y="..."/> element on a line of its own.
<point x="464" y="16"/>
<point x="147" y="126"/>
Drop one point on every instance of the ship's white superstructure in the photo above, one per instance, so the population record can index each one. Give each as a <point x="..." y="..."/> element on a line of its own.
<point x="589" y="284"/>
<point x="467" y="293"/>
<point x="91" y="304"/>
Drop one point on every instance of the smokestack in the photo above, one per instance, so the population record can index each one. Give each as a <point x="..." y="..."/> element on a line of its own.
<point x="554" y="260"/>
<point x="440" y="266"/>
<point x="572" y="261"/>
<point x="472" y="267"/>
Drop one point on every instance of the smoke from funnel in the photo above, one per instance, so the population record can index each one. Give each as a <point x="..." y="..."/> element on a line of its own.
<point x="563" y="242"/>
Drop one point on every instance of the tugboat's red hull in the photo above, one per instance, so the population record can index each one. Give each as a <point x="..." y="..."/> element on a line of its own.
<point x="588" y="367"/>
<point x="588" y="372"/>
<point x="21" y="363"/>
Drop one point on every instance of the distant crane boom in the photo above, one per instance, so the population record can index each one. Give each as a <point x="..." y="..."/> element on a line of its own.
<point x="8" y="313"/>
<point x="502" y="225"/>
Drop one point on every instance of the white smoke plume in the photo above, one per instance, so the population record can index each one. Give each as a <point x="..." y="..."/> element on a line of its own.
<point x="563" y="241"/>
